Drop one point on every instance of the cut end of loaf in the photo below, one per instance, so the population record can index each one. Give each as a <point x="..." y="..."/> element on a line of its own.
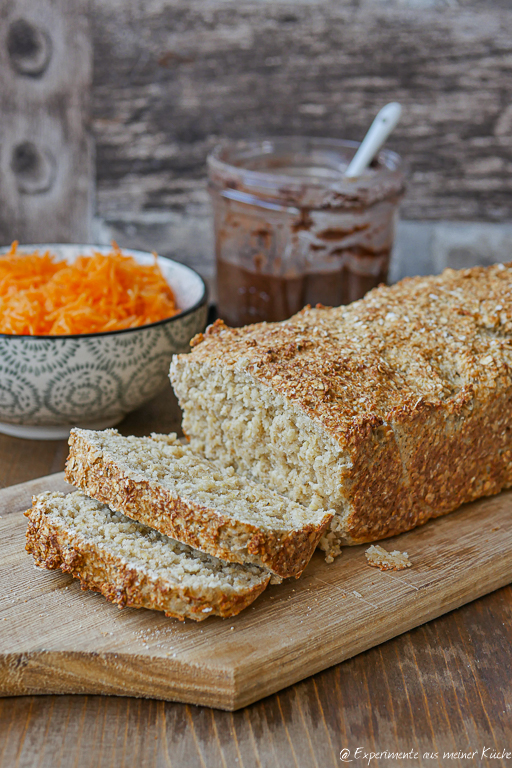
<point x="242" y="424"/>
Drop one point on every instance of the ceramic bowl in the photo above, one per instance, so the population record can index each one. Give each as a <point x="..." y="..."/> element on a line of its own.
<point x="49" y="384"/>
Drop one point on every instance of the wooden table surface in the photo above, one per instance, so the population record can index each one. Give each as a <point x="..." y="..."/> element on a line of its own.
<point x="444" y="687"/>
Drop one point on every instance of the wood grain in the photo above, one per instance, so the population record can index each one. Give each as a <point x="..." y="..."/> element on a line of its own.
<point x="57" y="640"/>
<point x="439" y="687"/>
<point x="171" y="78"/>
<point x="414" y="691"/>
<point x="46" y="159"/>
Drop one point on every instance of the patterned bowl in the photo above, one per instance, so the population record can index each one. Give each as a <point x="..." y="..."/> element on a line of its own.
<point x="49" y="384"/>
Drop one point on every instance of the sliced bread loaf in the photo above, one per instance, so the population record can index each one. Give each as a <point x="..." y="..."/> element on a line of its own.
<point x="391" y="410"/>
<point x="163" y="484"/>
<point x="133" y="565"/>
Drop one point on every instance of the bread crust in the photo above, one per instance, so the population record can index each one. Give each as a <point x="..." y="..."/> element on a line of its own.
<point x="413" y="383"/>
<point x="284" y="553"/>
<point x="468" y="456"/>
<point x="99" y="570"/>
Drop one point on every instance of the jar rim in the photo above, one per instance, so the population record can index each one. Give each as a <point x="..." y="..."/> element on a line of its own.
<point x="242" y="163"/>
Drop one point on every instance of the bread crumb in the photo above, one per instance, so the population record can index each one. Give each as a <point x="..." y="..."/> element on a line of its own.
<point x="378" y="557"/>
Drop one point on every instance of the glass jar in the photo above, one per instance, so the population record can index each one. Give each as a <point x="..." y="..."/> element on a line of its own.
<point x="290" y="230"/>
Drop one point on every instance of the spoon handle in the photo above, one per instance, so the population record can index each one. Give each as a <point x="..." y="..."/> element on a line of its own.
<point x="377" y="134"/>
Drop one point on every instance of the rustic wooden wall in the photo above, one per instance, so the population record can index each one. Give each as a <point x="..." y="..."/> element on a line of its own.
<point x="46" y="162"/>
<point x="172" y="76"/>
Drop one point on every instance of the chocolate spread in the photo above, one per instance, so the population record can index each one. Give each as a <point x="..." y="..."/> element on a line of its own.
<point x="291" y="231"/>
<point x="250" y="297"/>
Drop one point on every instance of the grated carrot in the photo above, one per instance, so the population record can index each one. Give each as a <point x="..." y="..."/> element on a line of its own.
<point x="40" y="295"/>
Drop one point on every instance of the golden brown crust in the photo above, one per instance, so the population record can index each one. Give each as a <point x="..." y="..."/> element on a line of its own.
<point x="447" y="460"/>
<point x="414" y="382"/>
<point x="53" y="547"/>
<point x="350" y="368"/>
<point x="285" y="553"/>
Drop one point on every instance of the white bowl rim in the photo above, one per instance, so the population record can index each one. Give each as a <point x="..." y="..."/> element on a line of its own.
<point x="102" y="249"/>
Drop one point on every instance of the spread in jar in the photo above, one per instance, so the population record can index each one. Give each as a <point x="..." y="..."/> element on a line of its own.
<point x="290" y="230"/>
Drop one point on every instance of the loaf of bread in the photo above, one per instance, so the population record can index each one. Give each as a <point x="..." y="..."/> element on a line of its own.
<point x="133" y="565"/>
<point x="158" y="481"/>
<point x="391" y="410"/>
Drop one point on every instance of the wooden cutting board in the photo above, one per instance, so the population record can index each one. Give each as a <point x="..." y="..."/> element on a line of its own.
<point x="54" y="638"/>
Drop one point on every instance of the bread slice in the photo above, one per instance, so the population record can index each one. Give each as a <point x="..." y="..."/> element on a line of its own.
<point x="133" y="565"/>
<point x="391" y="410"/>
<point x="163" y="484"/>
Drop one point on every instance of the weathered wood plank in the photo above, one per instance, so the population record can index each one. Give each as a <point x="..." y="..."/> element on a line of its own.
<point x="172" y="77"/>
<point x="46" y="159"/>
